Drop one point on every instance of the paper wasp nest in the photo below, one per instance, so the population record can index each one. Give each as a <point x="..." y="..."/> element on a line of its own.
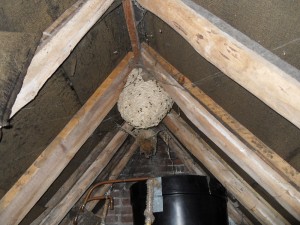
<point x="143" y="103"/>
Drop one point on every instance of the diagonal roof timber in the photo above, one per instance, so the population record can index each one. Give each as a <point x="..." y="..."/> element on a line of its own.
<point x="64" y="189"/>
<point x="235" y="184"/>
<point x="233" y="53"/>
<point x="40" y="175"/>
<point x="256" y="167"/>
<point x="59" y="211"/>
<point x="65" y="34"/>
<point x="265" y="215"/>
<point x="240" y="58"/>
<point x="269" y="155"/>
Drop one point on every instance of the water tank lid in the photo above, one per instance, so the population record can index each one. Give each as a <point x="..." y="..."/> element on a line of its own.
<point x="192" y="184"/>
<point x="183" y="184"/>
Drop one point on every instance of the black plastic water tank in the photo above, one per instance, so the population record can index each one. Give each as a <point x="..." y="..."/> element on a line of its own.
<point x="187" y="200"/>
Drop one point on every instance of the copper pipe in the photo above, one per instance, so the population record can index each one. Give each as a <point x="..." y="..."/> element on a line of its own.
<point x="103" y="197"/>
<point x="87" y="198"/>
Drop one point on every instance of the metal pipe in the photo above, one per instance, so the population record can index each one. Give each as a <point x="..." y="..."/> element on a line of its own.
<point x="88" y="198"/>
<point x="103" y="197"/>
<point x="111" y="182"/>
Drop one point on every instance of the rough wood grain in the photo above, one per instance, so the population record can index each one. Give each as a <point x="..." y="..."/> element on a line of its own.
<point x="85" y="181"/>
<point x="114" y="174"/>
<point x="276" y="185"/>
<point x="47" y="167"/>
<point x="235" y="184"/>
<point x="259" y="71"/>
<point x="65" y="188"/>
<point x="131" y="26"/>
<point x="111" y="171"/>
<point x="270" y="156"/>
<point x="66" y="32"/>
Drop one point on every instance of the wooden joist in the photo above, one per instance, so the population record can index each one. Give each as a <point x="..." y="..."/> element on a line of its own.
<point x="40" y="175"/>
<point x="84" y="182"/>
<point x="65" y="34"/>
<point x="270" y="156"/>
<point x="243" y="192"/>
<point x="259" y="71"/>
<point x="256" y="167"/>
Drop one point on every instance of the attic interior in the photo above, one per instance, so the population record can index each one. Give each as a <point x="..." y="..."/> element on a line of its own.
<point x="235" y="120"/>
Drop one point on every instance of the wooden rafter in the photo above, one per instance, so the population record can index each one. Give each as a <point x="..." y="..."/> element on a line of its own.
<point x="256" y="167"/>
<point x="63" y="35"/>
<point x="131" y="27"/>
<point x="219" y="46"/>
<point x="65" y="188"/>
<point x="112" y="173"/>
<point x="36" y="180"/>
<point x="269" y="155"/>
<point x="235" y="184"/>
<point x="59" y="211"/>
<point x="269" y="78"/>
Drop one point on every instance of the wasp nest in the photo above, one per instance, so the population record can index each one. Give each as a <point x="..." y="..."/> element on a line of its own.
<point x="143" y="103"/>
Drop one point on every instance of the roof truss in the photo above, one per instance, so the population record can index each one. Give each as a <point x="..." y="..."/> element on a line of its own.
<point x="276" y="176"/>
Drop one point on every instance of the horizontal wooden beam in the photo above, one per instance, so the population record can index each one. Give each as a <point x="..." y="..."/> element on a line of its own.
<point x="276" y="185"/>
<point x="259" y="71"/>
<point x="235" y="184"/>
<point x="47" y="167"/>
<point x="270" y="156"/>
<point x="84" y="182"/>
<point x="64" y="35"/>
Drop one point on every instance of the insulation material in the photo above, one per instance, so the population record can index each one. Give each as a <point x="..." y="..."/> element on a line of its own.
<point x="143" y="103"/>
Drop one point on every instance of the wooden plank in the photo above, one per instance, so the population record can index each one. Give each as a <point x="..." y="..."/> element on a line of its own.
<point x="85" y="181"/>
<point x="65" y="188"/>
<point x="271" y="157"/>
<point x="66" y="33"/>
<point x="278" y="187"/>
<point x="111" y="172"/>
<point x="114" y="174"/>
<point x="233" y="212"/>
<point x="131" y="26"/>
<point x="259" y="71"/>
<point x="40" y="175"/>
<point x="235" y="184"/>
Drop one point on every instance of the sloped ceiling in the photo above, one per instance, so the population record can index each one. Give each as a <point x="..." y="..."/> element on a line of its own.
<point x="259" y="21"/>
<point x="273" y="24"/>
<point x="34" y="127"/>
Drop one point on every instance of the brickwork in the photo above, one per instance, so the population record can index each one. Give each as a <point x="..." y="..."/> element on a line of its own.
<point x="163" y="163"/>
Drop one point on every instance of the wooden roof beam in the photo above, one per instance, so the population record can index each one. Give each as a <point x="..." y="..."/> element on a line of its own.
<point x="269" y="155"/>
<point x="269" y="78"/>
<point x="131" y="27"/>
<point x="59" y="211"/>
<point x="40" y="175"/>
<point x="242" y="154"/>
<point x="58" y="42"/>
<point x="235" y="184"/>
<point x="68" y="184"/>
